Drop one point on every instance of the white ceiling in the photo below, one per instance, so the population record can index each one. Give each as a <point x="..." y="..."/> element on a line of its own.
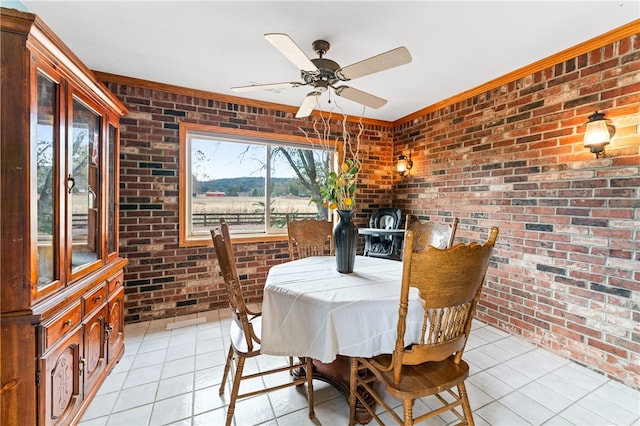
<point x="214" y="45"/>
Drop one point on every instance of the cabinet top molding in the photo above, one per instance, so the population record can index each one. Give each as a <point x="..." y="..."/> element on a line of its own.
<point x="42" y="38"/>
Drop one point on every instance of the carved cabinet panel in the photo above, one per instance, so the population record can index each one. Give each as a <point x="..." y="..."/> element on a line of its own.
<point x="95" y="344"/>
<point x="60" y="373"/>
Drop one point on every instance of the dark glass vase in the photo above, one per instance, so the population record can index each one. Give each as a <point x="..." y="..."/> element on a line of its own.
<point x="345" y="238"/>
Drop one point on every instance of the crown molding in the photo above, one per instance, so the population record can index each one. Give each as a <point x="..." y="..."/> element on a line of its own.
<point x="612" y="36"/>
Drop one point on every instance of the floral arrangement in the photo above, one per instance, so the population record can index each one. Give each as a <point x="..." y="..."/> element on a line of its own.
<point x="338" y="189"/>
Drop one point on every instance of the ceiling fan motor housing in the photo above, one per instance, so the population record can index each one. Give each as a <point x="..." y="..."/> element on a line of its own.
<point x="324" y="76"/>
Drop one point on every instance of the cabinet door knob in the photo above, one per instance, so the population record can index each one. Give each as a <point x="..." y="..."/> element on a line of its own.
<point x="67" y="322"/>
<point x="99" y="297"/>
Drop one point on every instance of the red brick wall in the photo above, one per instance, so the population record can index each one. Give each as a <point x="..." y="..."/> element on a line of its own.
<point x="566" y="269"/>
<point x="163" y="279"/>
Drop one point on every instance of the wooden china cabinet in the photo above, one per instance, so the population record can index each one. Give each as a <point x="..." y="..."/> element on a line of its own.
<point x="61" y="276"/>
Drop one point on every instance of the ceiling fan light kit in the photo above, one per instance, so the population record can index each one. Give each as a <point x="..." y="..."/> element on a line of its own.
<point x="322" y="73"/>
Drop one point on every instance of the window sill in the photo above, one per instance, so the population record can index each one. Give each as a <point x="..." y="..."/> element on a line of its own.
<point x="235" y="239"/>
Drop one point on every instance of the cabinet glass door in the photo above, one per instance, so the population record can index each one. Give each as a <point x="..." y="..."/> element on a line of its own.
<point x="46" y="171"/>
<point x="83" y="185"/>
<point x="112" y="232"/>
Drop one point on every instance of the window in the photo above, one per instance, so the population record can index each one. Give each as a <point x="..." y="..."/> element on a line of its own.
<point x="252" y="179"/>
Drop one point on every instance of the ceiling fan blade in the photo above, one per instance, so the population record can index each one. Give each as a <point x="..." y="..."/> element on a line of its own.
<point x="384" y="61"/>
<point x="253" y="87"/>
<point x="308" y="104"/>
<point x="360" y="97"/>
<point x="290" y="49"/>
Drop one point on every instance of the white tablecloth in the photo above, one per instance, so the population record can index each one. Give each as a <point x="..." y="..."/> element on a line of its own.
<point x="310" y="309"/>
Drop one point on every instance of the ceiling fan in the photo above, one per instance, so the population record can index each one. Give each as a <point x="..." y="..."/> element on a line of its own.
<point x="321" y="73"/>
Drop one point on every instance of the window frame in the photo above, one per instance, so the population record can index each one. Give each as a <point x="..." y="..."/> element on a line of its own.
<point x="241" y="136"/>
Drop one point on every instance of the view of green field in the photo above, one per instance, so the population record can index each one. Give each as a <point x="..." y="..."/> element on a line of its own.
<point x="202" y="204"/>
<point x="246" y="214"/>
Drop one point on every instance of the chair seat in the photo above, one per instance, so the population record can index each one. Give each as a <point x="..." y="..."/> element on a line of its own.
<point x="239" y="341"/>
<point x="421" y="380"/>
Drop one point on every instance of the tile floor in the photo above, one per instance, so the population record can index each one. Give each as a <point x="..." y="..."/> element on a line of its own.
<point x="171" y="377"/>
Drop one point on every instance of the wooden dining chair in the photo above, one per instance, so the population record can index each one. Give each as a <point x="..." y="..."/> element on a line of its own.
<point x="244" y="333"/>
<point x="427" y="233"/>
<point x="309" y="237"/>
<point x="449" y="282"/>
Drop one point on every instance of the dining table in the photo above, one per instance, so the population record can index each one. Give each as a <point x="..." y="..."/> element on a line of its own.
<point x="310" y="309"/>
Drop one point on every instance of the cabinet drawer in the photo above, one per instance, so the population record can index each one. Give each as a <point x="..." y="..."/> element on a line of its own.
<point x="115" y="282"/>
<point x="61" y="324"/>
<point x="94" y="298"/>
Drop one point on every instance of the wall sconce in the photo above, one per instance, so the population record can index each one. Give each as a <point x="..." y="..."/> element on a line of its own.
<point x="598" y="133"/>
<point x="404" y="165"/>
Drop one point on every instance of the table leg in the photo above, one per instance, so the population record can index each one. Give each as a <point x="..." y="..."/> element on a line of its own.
<point x="337" y="374"/>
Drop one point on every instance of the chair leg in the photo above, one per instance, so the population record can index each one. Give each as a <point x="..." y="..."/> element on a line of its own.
<point x="227" y="367"/>
<point x="407" y="406"/>
<point x="309" y="373"/>
<point x="352" y="391"/>
<point x="234" y="390"/>
<point x="466" y="406"/>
